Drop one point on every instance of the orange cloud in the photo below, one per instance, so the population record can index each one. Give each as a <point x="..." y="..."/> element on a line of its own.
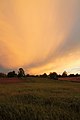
<point x="39" y="35"/>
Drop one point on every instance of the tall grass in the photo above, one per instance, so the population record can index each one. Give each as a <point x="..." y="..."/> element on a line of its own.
<point x="40" y="99"/>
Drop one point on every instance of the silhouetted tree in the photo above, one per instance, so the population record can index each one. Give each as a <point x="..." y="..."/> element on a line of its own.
<point x="59" y="76"/>
<point x="21" y="72"/>
<point x="44" y="75"/>
<point x="12" y="74"/>
<point x="2" y="75"/>
<point x="71" y="75"/>
<point x="77" y="75"/>
<point x="53" y="75"/>
<point x="64" y="74"/>
<point x="28" y="75"/>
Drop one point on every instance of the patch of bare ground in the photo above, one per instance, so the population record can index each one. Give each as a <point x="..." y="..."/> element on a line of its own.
<point x="73" y="79"/>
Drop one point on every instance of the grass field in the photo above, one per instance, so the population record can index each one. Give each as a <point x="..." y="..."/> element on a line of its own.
<point x="40" y="99"/>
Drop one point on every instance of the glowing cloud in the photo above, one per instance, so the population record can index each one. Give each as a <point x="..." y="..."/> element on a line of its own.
<point x="40" y="35"/>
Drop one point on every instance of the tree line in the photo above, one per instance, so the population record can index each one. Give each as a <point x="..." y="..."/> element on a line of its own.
<point x="21" y="73"/>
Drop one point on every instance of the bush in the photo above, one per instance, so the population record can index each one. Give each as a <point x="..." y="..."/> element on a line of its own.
<point x="12" y="74"/>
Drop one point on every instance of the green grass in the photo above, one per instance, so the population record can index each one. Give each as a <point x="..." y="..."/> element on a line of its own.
<point x="40" y="99"/>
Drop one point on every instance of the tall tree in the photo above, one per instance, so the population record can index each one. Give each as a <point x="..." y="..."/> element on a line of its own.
<point x="21" y="72"/>
<point x="64" y="74"/>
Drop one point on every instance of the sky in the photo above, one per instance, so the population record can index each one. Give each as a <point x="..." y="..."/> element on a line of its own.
<point x="40" y="36"/>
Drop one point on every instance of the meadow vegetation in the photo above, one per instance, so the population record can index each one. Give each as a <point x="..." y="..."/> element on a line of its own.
<point x="40" y="99"/>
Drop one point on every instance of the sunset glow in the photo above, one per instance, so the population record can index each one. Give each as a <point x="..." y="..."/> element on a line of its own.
<point x="40" y="35"/>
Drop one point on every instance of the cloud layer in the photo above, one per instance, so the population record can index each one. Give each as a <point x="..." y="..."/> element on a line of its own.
<point x="41" y="36"/>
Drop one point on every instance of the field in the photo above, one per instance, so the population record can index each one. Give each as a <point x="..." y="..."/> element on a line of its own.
<point x="39" y="99"/>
